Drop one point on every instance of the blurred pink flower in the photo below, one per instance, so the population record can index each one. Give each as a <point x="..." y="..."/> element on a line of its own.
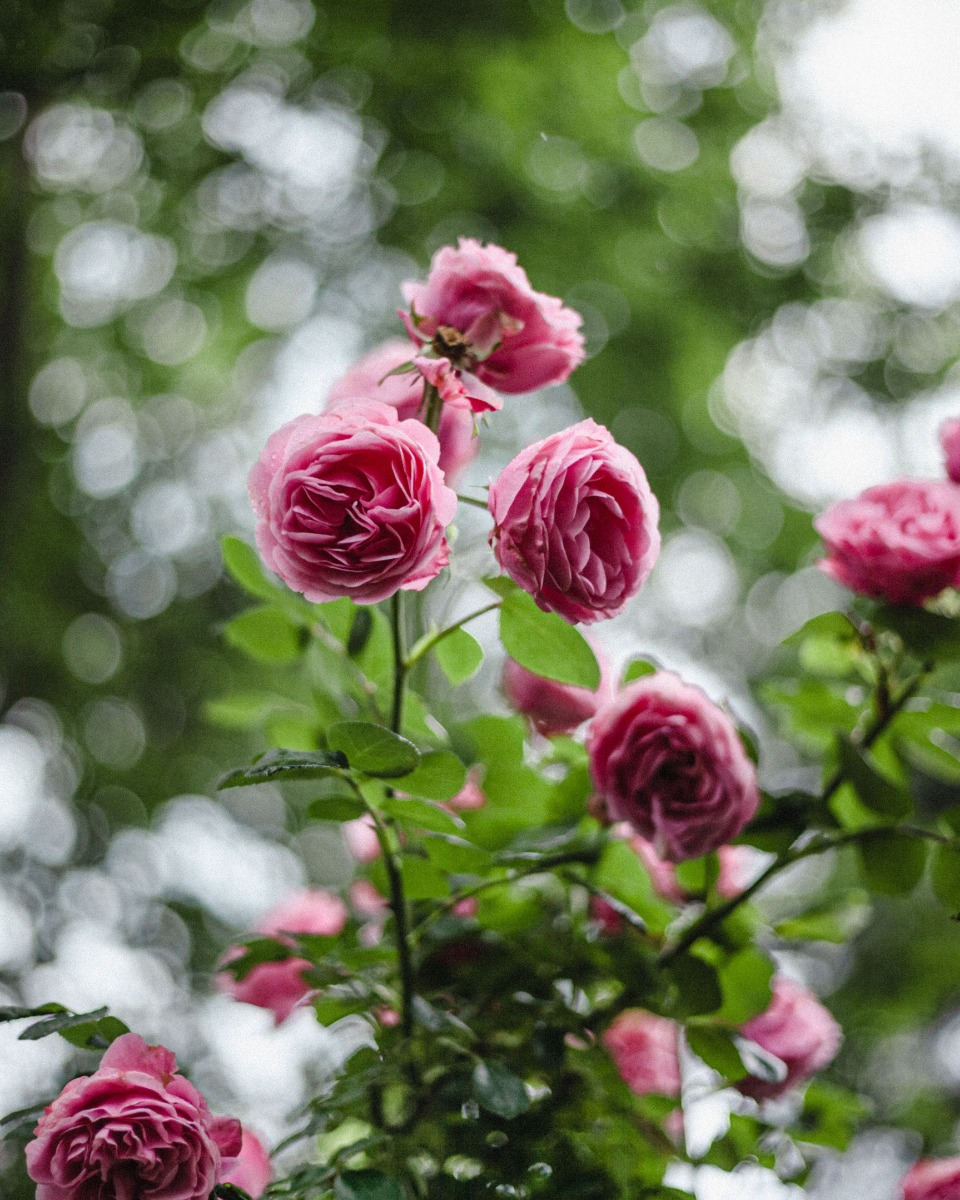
<point x="797" y="1029"/>
<point x="552" y="707"/>
<point x="644" y="1048"/>
<point x="251" y="1169"/>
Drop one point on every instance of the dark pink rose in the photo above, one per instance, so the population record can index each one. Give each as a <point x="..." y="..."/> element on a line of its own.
<point x="352" y="503"/>
<point x="251" y="1168"/>
<point x="575" y="523"/>
<point x="644" y="1049"/>
<point x="950" y="441"/>
<point x="369" y="379"/>
<point x="478" y="309"/>
<point x="553" y="707"/>
<point x="134" y="1130"/>
<point x="899" y="541"/>
<point x="666" y="759"/>
<point x="933" y="1179"/>
<point x="280" y="986"/>
<point x="798" y="1030"/>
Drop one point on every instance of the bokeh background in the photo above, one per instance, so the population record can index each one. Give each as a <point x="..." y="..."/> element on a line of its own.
<point x="206" y="211"/>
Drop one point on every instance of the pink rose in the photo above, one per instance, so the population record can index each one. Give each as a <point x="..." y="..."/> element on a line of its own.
<point x="457" y="389"/>
<point x="950" y="441"/>
<point x="361" y="838"/>
<point x="575" y="523"/>
<point x="554" y="707"/>
<point x="471" y="795"/>
<point x="899" y="541"/>
<point x="280" y="986"/>
<point x="666" y="759"/>
<point x="251" y="1168"/>
<point x="369" y="379"/>
<point x="933" y="1179"/>
<point x="134" y="1130"/>
<point x="478" y="309"/>
<point x="798" y="1030"/>
<point x="732" y="878"/>
<point x="644" y="1049"/>
<point x="352" y="503"/>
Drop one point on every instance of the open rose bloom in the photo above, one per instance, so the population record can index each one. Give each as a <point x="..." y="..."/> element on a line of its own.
<point x="933" y="1179"/>
<point x="575" y="523"/>
<point x="666" y="759"/>
<point x="352" y="503"/>
<point x="898" y="542"/>
<point x="478" y="310"/>
<point x="644" y="1048"/>
<point x="797" y="1029"/>
<point x="134" y="1130"/>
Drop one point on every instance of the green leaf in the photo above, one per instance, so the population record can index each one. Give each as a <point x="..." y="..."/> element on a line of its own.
<point x="421" y="814"/>
<point x="745" y="983"/>
<point x="929" y="635"/>
<point x="422" y="880"/>
<point x="459" y="656"/>
<point x="945" y="875"/>
<point x="94" y="1035"/>
<point x="545" y="644"/>
<point x="503" y="585"/>
<point x="621" y="873"/>
<point x="366" y="1185"/>
<point x="58" y="1023"/>
<point x="893" y="863"/>
<point x="717" y="1049"/>
<point x="373" y="749"/>
<point x="697" y="987"/>
<point x="279" y="766"/>
<point x="339" y="807"/>
<point x="454" y="854"/>
<point x="637" y="668"/>
<point x="243" y="564"/>
<point x="15" y="1012"/>
<point x="877" y="792"/>
<point x="834" y="923"/>
<point x="439" y="776"/>
<point x="266" y="635"/>
<point x="499" y="1091"/>
<point x="833" y="625"/>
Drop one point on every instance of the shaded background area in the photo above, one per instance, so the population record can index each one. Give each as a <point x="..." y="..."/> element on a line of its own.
<point x="207" y="210"/>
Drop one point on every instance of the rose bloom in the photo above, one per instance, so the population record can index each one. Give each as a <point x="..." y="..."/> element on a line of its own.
<point x="251" y="1169"/>
<point x="644" y="1048"/>
<point x="477" y="309"/>
<point x="950" y="441"/>
<point x="933" y="1179"/>
<point x="666" y="759"/>
<point x="134" y="1130"/>
<point x="352" y="503"/>
<point x="280" y="986"/>
<point x="575" y="523"/>
<point x="553" y="707"/>
<point x="366" y="381"/>
<point x="898" y="542"/>
<point x="798" y="1030"/>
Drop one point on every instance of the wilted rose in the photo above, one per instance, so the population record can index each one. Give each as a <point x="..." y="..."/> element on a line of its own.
<point x="898" y="541"/>
<point x="575" y="523"/>
<point x="477" y="309"/>
<point x="666" y="759"/>
<point x="134" y="1130"/>
<point x="352" y="503"/>
<point x="797" y="1029"/>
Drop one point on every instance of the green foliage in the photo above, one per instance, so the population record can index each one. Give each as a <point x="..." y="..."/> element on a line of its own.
<point x="459" y="656"/>
<point x="373" y="750"/>
<point x="545" y="644"/>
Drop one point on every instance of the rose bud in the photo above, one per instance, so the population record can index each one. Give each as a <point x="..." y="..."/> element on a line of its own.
<point x="552" y="707"/>
<point x="280" y="986"/>
<point x="352" y="503"/>
<point x="933" y="1179"/>
<point x="478" y="310"/>
<point x="370" y="379"/>
<point x="575" y="523"/>
<point x="644" y="1049"/>
<point x="666" y="759"/>
<point x="134" y="1128"/>
<point x="797" y="1029"/>
<point x="898" y="542"/>
<point x="251" y="1168"/>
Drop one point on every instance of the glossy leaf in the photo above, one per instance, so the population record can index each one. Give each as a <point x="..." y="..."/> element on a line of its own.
<point x="438" y="776"/>
<point x="281" y="766"/>
<point x="373" y="749"/>
<point x="243" y="563"/>
<point x="545" y="644"/>
<point x="459" y="656"/>
<point x="421" y="814"/>
<point x="267" y="635"/>
<point x="499" y="1091"/>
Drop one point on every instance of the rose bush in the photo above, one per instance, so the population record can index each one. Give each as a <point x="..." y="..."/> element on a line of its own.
<point x="134" y="1130"/>
<point x="575" y="523"/>
<point x="797" y="1029"/>
<point x="352" y="503"/>
<point x="666" y="759"/>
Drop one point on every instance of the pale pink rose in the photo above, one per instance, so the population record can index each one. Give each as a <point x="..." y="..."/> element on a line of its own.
<point x="798" y="1030"/>
<point x="734" y="862"/>
<point x="280" y="986"/>
<point x="361" y="838"/>
<point x="950" y="441"/>
<point x="134" y="1130"/>
<point x="666" y="759"/>
<point x="575" y="523"/>
<point x="478" y="309"/>
<point x="369" y="379"/>
<point x="933" y="1179"/>
<point x="644" y="1049"/>
<point x="898" y="542"/>
<point x="552" y="707"/>
<point x="371" y="908"/>
<point x="251" y="1168"/>
<point x="352" y="503"/>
